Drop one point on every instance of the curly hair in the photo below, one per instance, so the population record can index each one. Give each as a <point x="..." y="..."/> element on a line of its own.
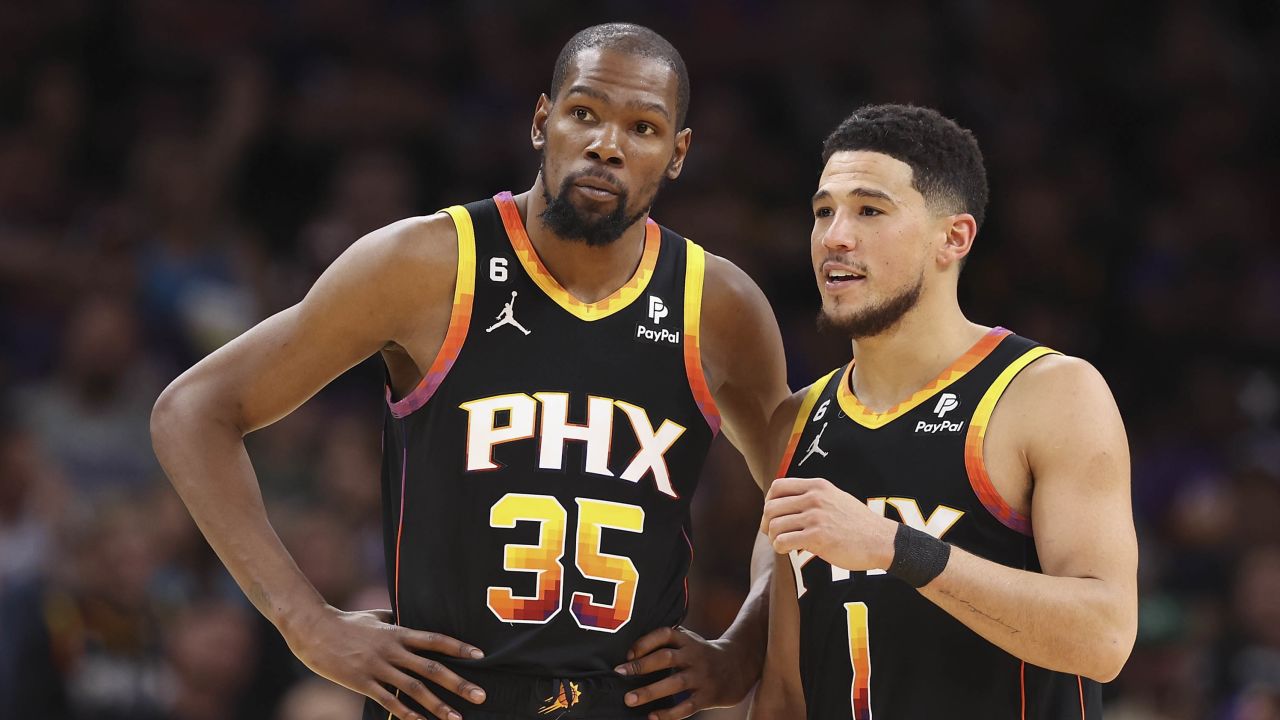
<point x="628" y="39"/>
<point x="946" y="163"/>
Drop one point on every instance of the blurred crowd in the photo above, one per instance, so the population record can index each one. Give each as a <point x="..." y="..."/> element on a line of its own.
<point x="172" y="171"/>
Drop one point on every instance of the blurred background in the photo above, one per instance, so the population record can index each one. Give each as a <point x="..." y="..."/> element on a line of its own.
<point x="173" y="171"/>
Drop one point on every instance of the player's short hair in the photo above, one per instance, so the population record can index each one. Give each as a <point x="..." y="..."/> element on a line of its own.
<point x="629" y="39"/>
<point x="946" y="163"/>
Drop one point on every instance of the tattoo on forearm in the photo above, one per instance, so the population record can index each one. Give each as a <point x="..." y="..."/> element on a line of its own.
<point x="977" y="611"/>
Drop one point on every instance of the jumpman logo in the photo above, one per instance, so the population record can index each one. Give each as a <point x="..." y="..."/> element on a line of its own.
<point x="813" y="447"/>
<point x="507" y="317"/>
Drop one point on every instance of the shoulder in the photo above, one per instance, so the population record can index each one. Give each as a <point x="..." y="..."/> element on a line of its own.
<point x="414" y="244"/>
<point x="1059" y="399"/>
<point x="402" y="270"/>
<point x="1057" y="379"/>
<point x="727" y="286"/>
<point x="736" y="316"/>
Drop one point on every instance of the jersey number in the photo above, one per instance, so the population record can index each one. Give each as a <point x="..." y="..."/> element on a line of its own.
<point x="498" y="269"/>
<point x="544" y="559"/>
<point x="860" y="659"/>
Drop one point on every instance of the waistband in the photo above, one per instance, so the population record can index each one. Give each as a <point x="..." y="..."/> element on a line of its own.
<point x="589" y="697"/>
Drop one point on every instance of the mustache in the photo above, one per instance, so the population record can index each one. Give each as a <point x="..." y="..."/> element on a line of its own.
<point x="860" y="267"/>
<point x="597" y="173"/>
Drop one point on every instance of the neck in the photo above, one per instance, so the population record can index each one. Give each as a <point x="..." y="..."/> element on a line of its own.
<point x="589" y="273"/>
<point x="895" y="364"/>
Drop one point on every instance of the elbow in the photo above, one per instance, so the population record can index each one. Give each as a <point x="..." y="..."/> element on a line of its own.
<point x="165" y="420"/>
<point x="173" y="419"/>
<point x="1112" y="655"/>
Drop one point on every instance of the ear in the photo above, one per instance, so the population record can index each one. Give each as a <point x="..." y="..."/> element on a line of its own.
<point x="959" y="234"/>
<point x="684" y="139"/>
<point x="538" y="132"/>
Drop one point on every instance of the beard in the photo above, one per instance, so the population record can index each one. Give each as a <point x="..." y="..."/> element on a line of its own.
<point x="564" y="219"/>
<point x="876" y="319"/>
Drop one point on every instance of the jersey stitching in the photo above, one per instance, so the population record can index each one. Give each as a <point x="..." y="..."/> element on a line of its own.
<point x="694" y="275"/>
<point x="802" y="415"/>
<point x="459" y="320"/>
<point x="528" y="257"/>
<point x="963" y="364"/>
<point x="974" y="461"/>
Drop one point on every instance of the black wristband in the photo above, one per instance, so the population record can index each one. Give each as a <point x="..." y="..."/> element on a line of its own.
<point x="918" y="557"/>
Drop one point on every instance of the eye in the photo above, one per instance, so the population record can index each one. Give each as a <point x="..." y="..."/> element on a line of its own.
<point x="822" y="212"/>
<point x="868" y="211"/>
<point x="581" y="113"/>
<point x="645" y="128"/>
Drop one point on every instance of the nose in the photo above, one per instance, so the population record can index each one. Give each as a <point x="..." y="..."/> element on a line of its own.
<point x="839" y="234"/>
<point x="605" y="148"/>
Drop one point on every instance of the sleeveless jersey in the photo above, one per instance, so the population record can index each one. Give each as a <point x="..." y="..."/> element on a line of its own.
<point x="537" y="482"/>
<point x="871" y="646"/>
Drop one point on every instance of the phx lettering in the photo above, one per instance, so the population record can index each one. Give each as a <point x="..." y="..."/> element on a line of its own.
<point x="554" y="430"/>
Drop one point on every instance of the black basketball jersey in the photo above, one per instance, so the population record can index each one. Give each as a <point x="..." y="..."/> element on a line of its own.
<point x="871" y="646"/>
<point x="537" y="482"/>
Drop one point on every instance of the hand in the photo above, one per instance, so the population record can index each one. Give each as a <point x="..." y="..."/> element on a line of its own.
<point x="710" y="671"/>
<point x="364" y="652"/>
<point x="812" y="514"/>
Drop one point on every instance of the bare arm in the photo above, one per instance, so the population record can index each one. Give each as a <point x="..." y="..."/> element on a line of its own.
<point x="1080" y="615"/>
<point x="373" y="295"/>
<point x="779" y="694"/>
<point x="746" y="373"/>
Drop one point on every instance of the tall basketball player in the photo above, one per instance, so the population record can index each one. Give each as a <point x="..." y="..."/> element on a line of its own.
<point x="953" y="509"/>
<point x="558" y="364"/>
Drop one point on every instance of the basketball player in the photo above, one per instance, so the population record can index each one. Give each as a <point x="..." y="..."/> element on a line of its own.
<point x="956" y="528"/>
<point x="538" y="470"/>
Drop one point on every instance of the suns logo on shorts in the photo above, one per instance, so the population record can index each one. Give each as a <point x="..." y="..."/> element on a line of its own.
<point x="568" y="696"/>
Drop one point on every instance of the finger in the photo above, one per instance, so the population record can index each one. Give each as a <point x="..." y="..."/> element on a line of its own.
<point x="439" y="674"/>
<point x="660" y="659"/>
<point x="416" y="689"/>
<point x="790" y="541"/>
<point x="652" y="640"/>
<point x="665" y="687"/>
<point x="392" y="704"/>
<point x="437" y="642"/>
<point x="789" y="523"/>
<point x="783" y="487"/>
<point x="683" y="710"/>
<point x="785" y="506"/>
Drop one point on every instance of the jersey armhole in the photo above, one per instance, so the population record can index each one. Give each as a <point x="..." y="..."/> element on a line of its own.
<point x="459" y="320"/>
<point x="974" y="460"/>
<point x="694" y="272"/>
<point x="797" y="428"/>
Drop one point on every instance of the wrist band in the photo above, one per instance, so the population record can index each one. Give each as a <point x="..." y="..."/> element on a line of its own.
<point x="918" y="557"/>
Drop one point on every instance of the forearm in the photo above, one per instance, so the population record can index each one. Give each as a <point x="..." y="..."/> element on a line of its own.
<point x="779" y="694"/>
<point x="206" y="461"/>
<point x="750" y="629"/>
<point x="1070" y="624"/>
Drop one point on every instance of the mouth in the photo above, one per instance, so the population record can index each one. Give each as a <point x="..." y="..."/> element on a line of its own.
<point x="840" y="277"/>
<point x="596" y="189"/>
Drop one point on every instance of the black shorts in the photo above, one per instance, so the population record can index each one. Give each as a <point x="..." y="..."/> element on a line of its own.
<point x="517" y="697"/>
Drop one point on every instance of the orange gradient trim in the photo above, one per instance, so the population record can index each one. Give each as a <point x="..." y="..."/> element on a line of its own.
<point x="459" y="320"/>
<point x="694" y="273"/>
<point x="802" y="415"/>
<point x="974" y="462"/>
<point x="621" y="297"/>
<point x="963" y="364"/>
<point x="860" y="660"/>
